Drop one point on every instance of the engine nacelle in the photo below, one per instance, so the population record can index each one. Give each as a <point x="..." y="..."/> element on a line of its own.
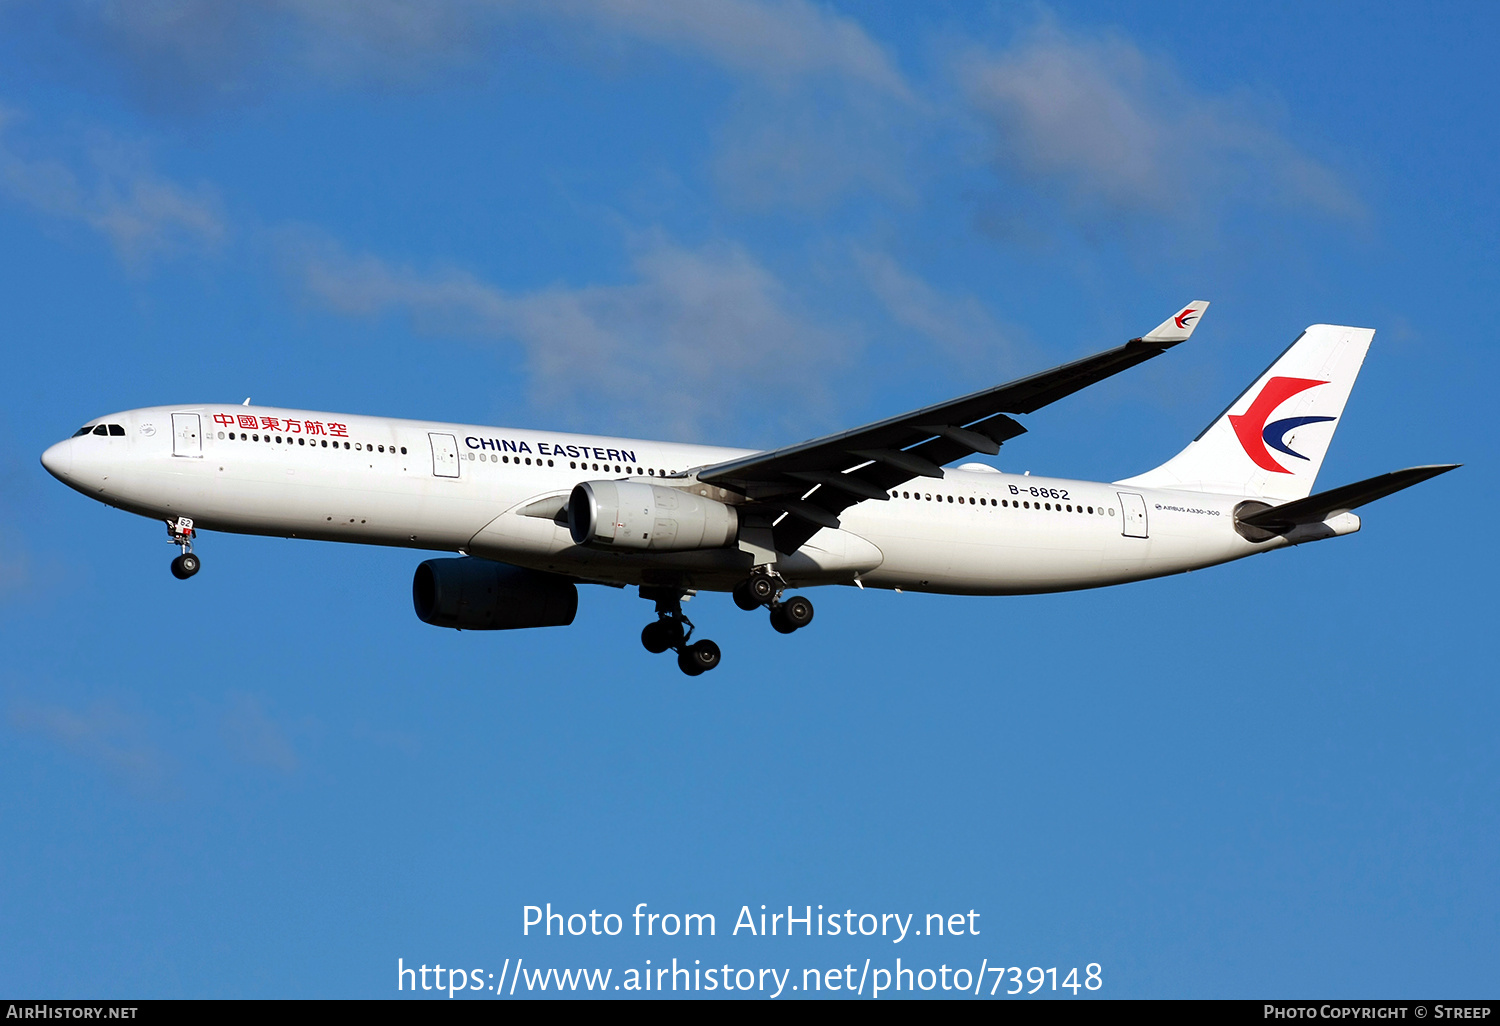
<point x="637" y="515"/>
<point x="479" y="595"/>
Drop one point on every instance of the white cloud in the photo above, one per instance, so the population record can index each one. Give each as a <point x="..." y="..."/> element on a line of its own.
<point x="218" y="46"/>
<point x="102" y="733"/>
<point x="256" y="737"/>
<point x="699" y="339"/>
<point x="779" y="41"/>
<point x="959" y="326"/>
<point x="115" y="193"/>
<point x="1117" y="130"/>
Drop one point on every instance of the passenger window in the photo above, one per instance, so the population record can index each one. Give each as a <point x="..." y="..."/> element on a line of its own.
<point x="221" y="436"/>
<point x="325" y="443"/>
<point x="403" y="450"/>
<point x="549" y="463"/>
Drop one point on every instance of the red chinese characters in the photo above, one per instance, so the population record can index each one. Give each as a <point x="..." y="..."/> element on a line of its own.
<point x="313" y="427"/>
<point x="339" y="430"/>
<point x="224" y="418"/>
<point x="248" y="421"/>
<point x="270" y="423"/>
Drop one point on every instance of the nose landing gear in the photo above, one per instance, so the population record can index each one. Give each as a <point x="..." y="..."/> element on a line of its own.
<point x="764" y="587"/>
<point x="180" y="532"/>
<point x="674" y="630"/>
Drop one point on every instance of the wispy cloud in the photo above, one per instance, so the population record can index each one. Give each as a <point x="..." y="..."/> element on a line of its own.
<point x="707" y="333"/>
<point x="216" y="49"/>
<point x="815" y="101"/>
<point x="102" y="733"/>
<point x="780" y="42"/>
<point x="110" y="188"/>
<point x="1117" y="131"/>
<point x="960" y="327"/>
<point x="257" y="737"/>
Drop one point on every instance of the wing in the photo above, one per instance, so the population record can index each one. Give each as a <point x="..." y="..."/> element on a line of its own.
<point x="804" y="487"/>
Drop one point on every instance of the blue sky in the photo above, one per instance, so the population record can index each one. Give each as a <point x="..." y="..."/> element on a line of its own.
<point x="746" y="223"/>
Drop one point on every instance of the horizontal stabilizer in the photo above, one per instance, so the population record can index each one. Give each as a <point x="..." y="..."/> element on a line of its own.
<point x="1317" y="508"/>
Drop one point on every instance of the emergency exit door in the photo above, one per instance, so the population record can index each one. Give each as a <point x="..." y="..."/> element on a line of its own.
<point x="444" y="454"/>
<point x="1133" y="509"/>
<point x="187" y="435"/>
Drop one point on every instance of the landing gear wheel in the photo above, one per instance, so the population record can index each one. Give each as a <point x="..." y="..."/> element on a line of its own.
<point x="185" y="566"/>
<point x="798" y="611"/>
<point x="761" y="587"/>
<point x="699" y="657"/>
<point x="656" y="637"/>
<point x="780" y="622"/>
<point x="662" y="635"/>
<point x="743" y="598"/>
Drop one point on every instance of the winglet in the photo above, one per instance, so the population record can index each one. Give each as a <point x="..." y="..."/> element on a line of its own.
<point x="1179" y="326"/>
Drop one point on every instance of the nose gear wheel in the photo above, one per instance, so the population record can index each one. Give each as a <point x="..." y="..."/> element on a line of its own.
<point x="180" y="533"/>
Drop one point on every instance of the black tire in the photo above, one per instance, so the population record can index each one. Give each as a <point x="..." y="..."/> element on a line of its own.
<point x="657" y="637"/>
<point x="185" y="566"/>
<point x="702" y="656"/>
<point x="780" y="622"/>
<point x="761" y="587"/>
<point x="798" y="611"/>
<point x="743" y="598"/>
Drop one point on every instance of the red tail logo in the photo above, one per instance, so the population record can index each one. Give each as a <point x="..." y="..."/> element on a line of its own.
<point x="1185" y="318"/>
<point x="1251" y="428"/>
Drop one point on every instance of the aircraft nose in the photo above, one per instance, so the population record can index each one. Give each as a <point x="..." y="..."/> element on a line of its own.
<point x="59" y="459"/>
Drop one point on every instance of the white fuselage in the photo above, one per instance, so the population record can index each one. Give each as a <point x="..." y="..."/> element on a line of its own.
<point x="463" y="488"/>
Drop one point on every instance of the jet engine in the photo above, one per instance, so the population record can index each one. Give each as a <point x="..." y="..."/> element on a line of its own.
<point x="479" y="595"/>
<point x="637" y="515"/>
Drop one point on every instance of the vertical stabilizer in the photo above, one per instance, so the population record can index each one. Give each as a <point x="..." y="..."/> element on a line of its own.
<point x="1271" y="441"/>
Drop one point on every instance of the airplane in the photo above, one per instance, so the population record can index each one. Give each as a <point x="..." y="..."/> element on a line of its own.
<point x="534" y="513"/>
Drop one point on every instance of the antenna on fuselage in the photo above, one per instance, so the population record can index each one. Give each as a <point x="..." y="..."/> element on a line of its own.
<point x="246" y="402"/>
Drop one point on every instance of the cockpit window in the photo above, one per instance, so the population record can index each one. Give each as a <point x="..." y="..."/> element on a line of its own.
<point x="83" y="430"/>
<point x="101" y="430"/>
<point x="117" y="431"/>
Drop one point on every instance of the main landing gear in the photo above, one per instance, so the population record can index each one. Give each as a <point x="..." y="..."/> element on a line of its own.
<point x="764" y="587"/>
<point x="674" y="630"/>
<point x="180" y="532"/>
